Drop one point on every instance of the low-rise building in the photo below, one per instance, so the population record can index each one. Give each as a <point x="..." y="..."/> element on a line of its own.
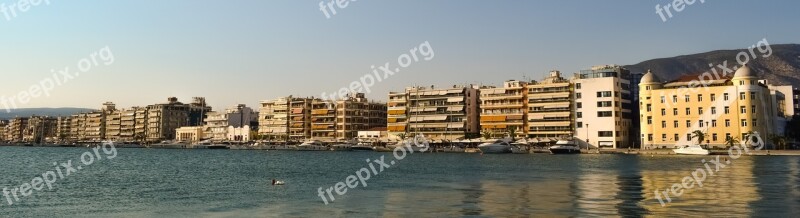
<point x="191" y="134"/>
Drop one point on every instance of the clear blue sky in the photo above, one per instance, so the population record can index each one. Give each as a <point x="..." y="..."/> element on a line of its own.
<point x="246" y="51"/>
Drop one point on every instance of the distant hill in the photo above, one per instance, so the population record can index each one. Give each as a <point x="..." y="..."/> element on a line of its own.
<point x="54" y="112"/>
<point x="780" y="68"/>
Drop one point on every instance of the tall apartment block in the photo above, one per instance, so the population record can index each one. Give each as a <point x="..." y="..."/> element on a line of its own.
<point x="300" y="118"/>
<point x="505" y="109"/>
<point x="725" y="108"/>
<point x="274" y="119"/>
<point x="15" y="129"/>
<point x="3" y="126"/>
<point x="40" y="129"/>
<point x="342" y="119"/>
<point x="64" y="128"/>
<point x="550" y="107"/>
<point x="439" y="114"/>
<point x="603" y="107"/>
<point x="397" y="113"/>
<point x="163" y="119"/>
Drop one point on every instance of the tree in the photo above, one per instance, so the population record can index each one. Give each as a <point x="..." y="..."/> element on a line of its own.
<point x="778" y="141"/>
<point x="512" y="130"/>
<point x="487" y="134"/>
<point x="731" y="141"/>
<point x="700" y="136"/>
<point x="402" y="136"/>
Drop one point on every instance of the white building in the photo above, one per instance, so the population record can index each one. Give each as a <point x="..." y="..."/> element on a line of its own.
<point x="233" y="125"/>
<point x="603" y="107"/>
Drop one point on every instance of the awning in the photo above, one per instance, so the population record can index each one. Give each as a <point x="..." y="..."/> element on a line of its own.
<point x="455" y="99"/>
<point x="535" y="116"/>
<point x="455" y="108"/>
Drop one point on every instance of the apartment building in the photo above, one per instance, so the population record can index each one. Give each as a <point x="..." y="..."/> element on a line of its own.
<point x="112" y="122"/>
<point x="440" y="114"/>
<point x="15" y="129"/>
<point x="505" y="109"/>
<point x="300" y="118"/>
<point x="216" y="127"/>
<point x="40" y="129"/>
<point x="140" y="123"/>
<point x="3" y="125"/>
<point x="274" y="119"/>
<point x="603" y="105"/>
<point x="725" y="108"/>
<point x="397" y="114"/>
<point x="234" y="124"/>
<point x="77" y="127"/>
<point x="550" y="107"/>
<point x="342" y="119"/>
<point x="128" y="124"/>
<point x="163" y="119"/>
<point x="64" y="128"/>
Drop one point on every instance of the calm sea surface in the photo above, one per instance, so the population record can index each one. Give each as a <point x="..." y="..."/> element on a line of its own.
<point x="231" y="183"/>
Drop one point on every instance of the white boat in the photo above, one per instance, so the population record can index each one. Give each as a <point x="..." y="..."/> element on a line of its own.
<point x="314" y="145"/>
<point x="207" y="144"/>
<point x="565" y="147"/>
<point x="342" y="147"/>
<point x="691" y="150"/>
<point x="520" y="148"/>
<point x="453" y="149"/>
<point x="363" y="146"/>
<point x="496" y="147"/>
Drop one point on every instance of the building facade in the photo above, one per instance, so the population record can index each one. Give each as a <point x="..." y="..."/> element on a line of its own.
<point x="440" y="114"/>
<point x="603" y="105"/>
<point x="550" y="106"/>
<point x="342" y="119"/>
<point x="722" y="109"/>
<point x="504" y="110"/>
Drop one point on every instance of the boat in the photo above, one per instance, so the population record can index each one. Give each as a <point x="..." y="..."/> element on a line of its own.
<point x="363" y="146"/>
<point x="342" y="147"/>
<point x="406" y="145"/>
<point x="565" y="147"/>
<point x="314" y="145"/>
<point x="453" y="149"/>
<point x="170" y="145"/>
<point x="520" y="148"/>
<point x="691" y="150"/>
<point x="208" y="144"/>
<point x="496" y="147"/>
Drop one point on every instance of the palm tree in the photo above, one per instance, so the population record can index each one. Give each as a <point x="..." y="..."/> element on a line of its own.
<point x="512" y="130"/>
<point x="731" y="141"/>
<point x="700" y="135"/>
<point x="487" y="135"/>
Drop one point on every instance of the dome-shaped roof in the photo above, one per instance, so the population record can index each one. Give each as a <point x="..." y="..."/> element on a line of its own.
<point x="650" y="77"/>
<point x="744" y="71"/>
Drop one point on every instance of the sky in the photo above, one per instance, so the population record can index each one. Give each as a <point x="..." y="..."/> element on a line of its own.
<point x="242" y="52"/>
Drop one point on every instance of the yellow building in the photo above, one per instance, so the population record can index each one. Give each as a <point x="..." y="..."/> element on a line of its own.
<point x="720" y="107"/>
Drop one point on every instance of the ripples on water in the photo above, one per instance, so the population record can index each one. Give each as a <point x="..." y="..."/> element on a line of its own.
<point x="216" y="183"/>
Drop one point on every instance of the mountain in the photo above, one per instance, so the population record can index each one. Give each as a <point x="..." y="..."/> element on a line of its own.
<point x="53" y="112"/>
<point x="782" y="67"/>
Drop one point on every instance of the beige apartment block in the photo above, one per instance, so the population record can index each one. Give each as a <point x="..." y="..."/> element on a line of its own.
<point x="274" y="119"/>
<point x="3" y="125"/>
<point x="64" y="128"/>
<point x="323" y="120"/>
<point x="726" y="108"/>
<point x="504" y="110"/>
<point x="15" y="129"/>
<point x="163" y="119"/>
<point x="141" y="121"/>
<point x="40" y="129"/>
<point x="442" y="114"/>
<point x="77" y="127"/>
<point x="300" y="118"/>
<point x="129" y="125"/>
<point x="603" y="107"/>
<point x="549" y="108"/>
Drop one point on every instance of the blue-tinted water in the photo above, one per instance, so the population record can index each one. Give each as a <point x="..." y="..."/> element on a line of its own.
<point x="230" y="183"/>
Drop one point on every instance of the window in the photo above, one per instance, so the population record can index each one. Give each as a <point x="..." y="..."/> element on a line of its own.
<point x="675" y="124"/>
<point x="713" y="123"/>
<point x="579" y="105"/>
<point x="743" y="109"/>
<point x="676" y="137"/>
<point x="577" y="86"/>
<point x="649" y="137"/>
<point x="579" y="114"/>
<point x="714" y="137"/>
<point x="741" y="83"/>
<point x="608" y="104"/>
<point x="649" y="120"/>
<point x="753" y="109"/>
<point x="744" y="122"/>
<point x="580" y="124"/>
<point x="701" y="124"/>
<point x="727" y="110"/>
<point x="700" y="97"/>
<point x="742" y="96"/>
<point x="663" y="99"/>
<point x="688" y="123"/>
<point x="663" y="137"/>
<point x="675" y="111"/>
<point x="603" y="94"/>
<point x="700" y="110"/>
<point x="713" y="97"/>
<point x="727" y="123"/>
<point x="713" y="110"/>
<point x="725" y="96"/>
<point x="649" y="107"/>
<point x="674" y="99"/>
<point x="727" y="136"/>
<point x="578" y="95"/>
<point x="686" y="98"/>
<point x="689" y="137"/>
<point x="752" y="96"/>
<point x="663" y="124"/>
<point x="604" y="114"/>
<point x="755" y="122"/>
<point x="688" y="111"/>
<point x="663" y="112"/>
<point x="605" y="134"/>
